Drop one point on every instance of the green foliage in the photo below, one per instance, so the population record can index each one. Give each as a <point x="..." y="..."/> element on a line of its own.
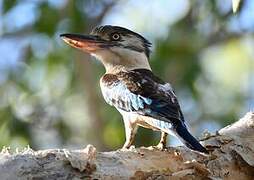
<point x="48" y="19"/>
<point x="8" y="4"/>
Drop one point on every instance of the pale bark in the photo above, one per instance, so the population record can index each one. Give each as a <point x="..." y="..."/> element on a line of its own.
<point x="231" y="157"/>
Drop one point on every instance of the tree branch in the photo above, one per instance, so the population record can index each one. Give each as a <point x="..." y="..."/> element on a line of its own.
<point x="231" y="157"/>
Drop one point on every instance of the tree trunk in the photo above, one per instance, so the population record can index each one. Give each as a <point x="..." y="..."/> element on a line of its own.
<point x="231" y="157"/>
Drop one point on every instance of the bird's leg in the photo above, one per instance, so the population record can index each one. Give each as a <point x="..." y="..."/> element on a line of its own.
<point x="130" y="131"/>
<point x="163" y="141"/>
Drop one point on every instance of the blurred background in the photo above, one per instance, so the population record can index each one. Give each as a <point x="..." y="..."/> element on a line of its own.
<point x="49" y="92"/>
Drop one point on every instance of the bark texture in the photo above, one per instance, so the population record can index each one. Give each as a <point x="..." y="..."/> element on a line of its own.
<point x="231" y="157"/>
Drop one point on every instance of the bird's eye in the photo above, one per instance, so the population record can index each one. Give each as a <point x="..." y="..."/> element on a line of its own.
<point x="115" y="36"/>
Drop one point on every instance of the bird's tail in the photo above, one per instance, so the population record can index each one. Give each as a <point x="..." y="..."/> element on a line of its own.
<point x="186" y="138"/>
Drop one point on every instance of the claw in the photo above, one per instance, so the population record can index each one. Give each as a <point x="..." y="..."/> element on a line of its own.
<point x="161" y="146"/>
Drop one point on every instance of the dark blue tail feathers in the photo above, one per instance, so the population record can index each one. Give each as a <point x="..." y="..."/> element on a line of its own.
<point x="186" y="138"/>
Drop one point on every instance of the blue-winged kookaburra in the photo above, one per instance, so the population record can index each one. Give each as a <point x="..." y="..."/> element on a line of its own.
<point x="130" y="86"/>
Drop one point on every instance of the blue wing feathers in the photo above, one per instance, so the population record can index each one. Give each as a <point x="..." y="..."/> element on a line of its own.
<point x="141" y="92"/>
<point x="120" y="95"/>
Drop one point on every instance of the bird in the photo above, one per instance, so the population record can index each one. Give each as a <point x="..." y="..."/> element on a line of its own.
<point x="129" y="85"/>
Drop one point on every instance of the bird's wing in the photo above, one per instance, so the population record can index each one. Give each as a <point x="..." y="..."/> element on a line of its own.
<point x="141" y="92"/>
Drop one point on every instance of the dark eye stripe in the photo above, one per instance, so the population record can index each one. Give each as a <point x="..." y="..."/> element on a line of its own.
<point x="134" y="48"/>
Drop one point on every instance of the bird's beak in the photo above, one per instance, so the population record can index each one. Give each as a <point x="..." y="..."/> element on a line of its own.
<point x="88" y="43"/>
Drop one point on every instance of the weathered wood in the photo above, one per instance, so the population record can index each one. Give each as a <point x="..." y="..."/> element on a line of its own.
<point x="231" y="157"/>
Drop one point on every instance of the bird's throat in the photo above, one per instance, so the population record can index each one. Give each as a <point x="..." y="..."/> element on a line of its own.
<point x="113" y="60"/>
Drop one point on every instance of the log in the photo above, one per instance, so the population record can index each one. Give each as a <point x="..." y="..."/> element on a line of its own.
<point x="231" y="157"/>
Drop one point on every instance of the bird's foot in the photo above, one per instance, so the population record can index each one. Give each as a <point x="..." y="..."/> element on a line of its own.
<point x="126" y="145"/>
<point x="128" y="148"/>
<point x="161" y="146"/>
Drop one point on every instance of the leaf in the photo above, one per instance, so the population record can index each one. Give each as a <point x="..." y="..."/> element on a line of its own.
<point x="235" y="5"/>
<point x="8" y="4"/>
<point x="48" y="19"/>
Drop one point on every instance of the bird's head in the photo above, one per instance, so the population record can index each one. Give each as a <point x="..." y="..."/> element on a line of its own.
<point x="114" y="46"/>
